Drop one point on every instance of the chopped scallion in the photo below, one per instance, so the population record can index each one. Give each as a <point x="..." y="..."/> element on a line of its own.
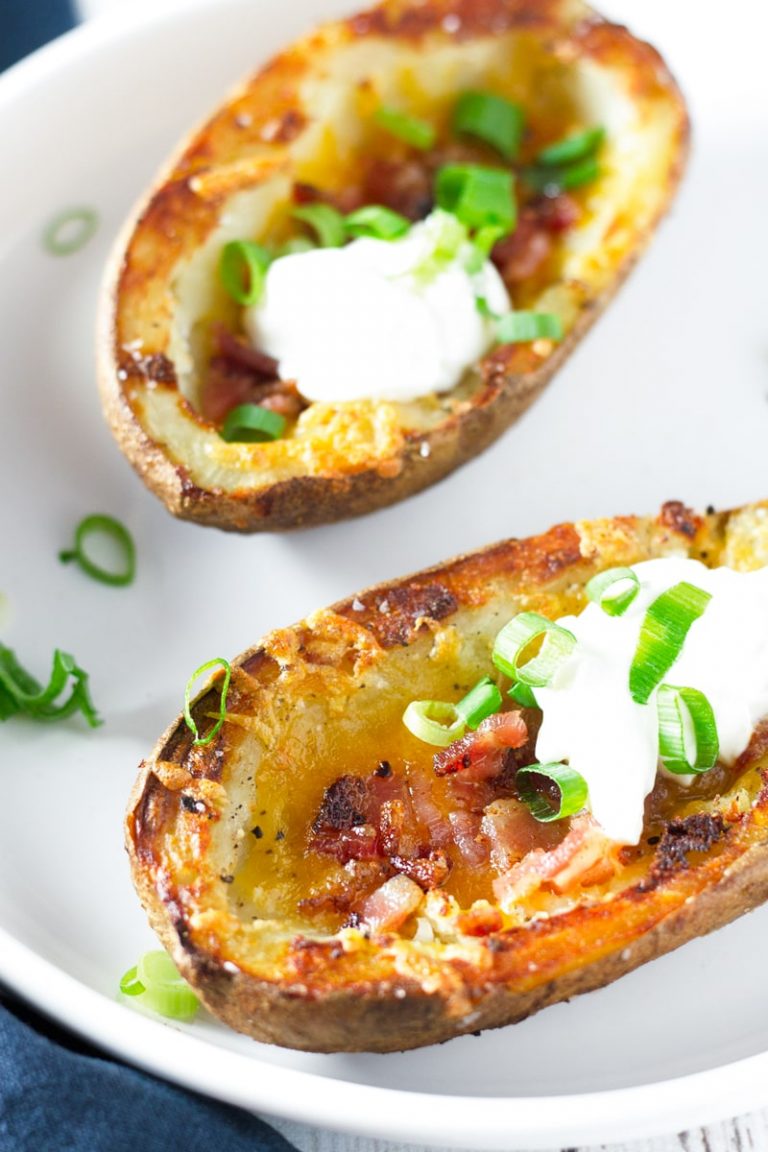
<point x="158" y="984"/>
<point x="492" y="119"/>
<point x="376" y="221"/>
<point x="571" y="786"/>
<point x="479" y="196"/>
<point x="22" y="694"/>
<point x="434" y="722"/>
<point x="252" y="424"/>
<point x="614" y="590"/>
<point x="522" y="694"/>
<point x="662" y="636"/>
<point x="688" y="740"/>
<point x="482" y="701"/>
<point x="572" y="148"/>
<point x="410" y="129"/>
<point x="553" y="179"/>
<point x="515" y="638"/>
<point x="522" y="327"/>
<point x="242" y="270"/>
<point x="218" y="662"/>
<point x="112" y="530"/>
<point x="325" y="221"/>
<point x="70" y="231"/>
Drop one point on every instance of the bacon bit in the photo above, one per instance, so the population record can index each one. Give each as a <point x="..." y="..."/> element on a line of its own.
<point x="286" y="401"/>
<point x="358" y="843"/>
<point x="519" y="256"/>
<point x="404" y="186"/>
<point x="343" y="806"/>
<point x="512" y="832"/>
<point x="561" y="867"/>
<point x="465" y="827"/>
<point x="427" y="812"/>
<point x="427" y="871"/>
<point x="480" y="755"/>
<point x="390" y="905"/>
<point x="238" y="352"/>
<point x="469" y="795"/>
<point x="348" y="888"/>
<point x="480" y="920"/>
<point x="397" y="828"/>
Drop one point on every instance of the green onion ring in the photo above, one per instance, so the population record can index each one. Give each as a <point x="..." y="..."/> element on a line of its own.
<point x="99" y="524"/>
<point x="555" y="179"/>
<point x="325" y="221"/>
<point x="522" y="694"/>
<point x="159" y="985"/>
<point x="130" y="985"/>
<point x="377" y="221"/>
<point x="70" y="231"/>
<point x="410" y="129"/>
<point x="613" y="590"/>
<point x="21" y="693"/>
<point x="482" y="701"/>
<point x="434" y="722"/>
<point x="571" y="785"/>
<point x="662" y="636"/>
<point x="682" y="709"/>
<point x="514" y="638"/>
<point x="218" y="662"/>
<point x="521" y="327"/>
<point x="492" y="119"/>
<point x="242" y="270"/>
<point x="252" y="424"/>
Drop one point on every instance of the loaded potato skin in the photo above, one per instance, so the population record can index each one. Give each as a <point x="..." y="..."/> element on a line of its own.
<point x="305" y="128"/>
<point x="229" y="842"/>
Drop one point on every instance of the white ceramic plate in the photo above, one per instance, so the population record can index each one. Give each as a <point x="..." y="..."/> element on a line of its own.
<point x="667" y="398"/>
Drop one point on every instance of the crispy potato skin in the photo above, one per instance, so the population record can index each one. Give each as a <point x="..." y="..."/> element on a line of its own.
<point x="263" y="135"/>
<point x="283" y="984"/>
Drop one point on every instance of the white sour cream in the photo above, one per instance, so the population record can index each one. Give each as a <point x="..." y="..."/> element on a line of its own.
<point x="365" y="322"/>
<point x="591" y="720"/>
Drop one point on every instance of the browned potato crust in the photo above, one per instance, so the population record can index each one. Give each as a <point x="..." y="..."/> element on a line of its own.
<point x="340" y="680"/>
<point x="307" y="117"/>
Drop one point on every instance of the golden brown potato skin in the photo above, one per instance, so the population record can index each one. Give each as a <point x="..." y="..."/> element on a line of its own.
<point x="353" y="458"/>
<point x="282" y="982"/>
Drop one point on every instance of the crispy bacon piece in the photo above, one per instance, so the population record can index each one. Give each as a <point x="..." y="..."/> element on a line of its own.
<point x="238" y="352"/>
<point x="239" y="374"/>
<point x="480" y="755"/>
<point x="349" y="887"/>
<point x="465" y="827"/>
<point x="390" y="905"/>
<point x="344" y="804"/>
<point x="512" y="832"/>
<point x="520" y="255"/>
<point x="573" y="861"/>
<point x="427" y="812"/>
<point x="403" y="185"/>
<point x="358" y="843"/>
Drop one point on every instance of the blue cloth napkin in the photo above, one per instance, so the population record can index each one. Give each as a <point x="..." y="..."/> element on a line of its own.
<point x="56" y="1095"/>
<point x="27" y="24"/>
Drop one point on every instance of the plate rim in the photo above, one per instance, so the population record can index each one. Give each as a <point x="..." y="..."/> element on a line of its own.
<point x="535" y="1122"/>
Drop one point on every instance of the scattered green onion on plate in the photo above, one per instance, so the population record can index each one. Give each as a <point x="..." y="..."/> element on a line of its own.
<point x="157" y="983"/>
<point x="116" y="533"/>
<point x="22" y="694"/>
<point x="70" y="231"/>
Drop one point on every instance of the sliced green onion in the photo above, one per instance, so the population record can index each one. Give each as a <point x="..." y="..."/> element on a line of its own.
<point x="614" y="590"/>
<point x="516" y="636"/>
<point x="492" y="119"/>
<point x="662" y="636"/>
<point x="554" y="179"/>
<point x="130" y="985"/>
<point x="434" y="722"/>
<point x="325" y="221"/>
<point x="112" y="529"/>
<point x="521" y="327"/>
<point x="295" y="245"/>
<point x="523" y="694"/>
<point x="479" y="196"/>
<point x="242" y="270"/>
<point x="482" y="701"/>
<point x="411" y="129"/>
<point x="157" y="981"/>
<point x="70" y="231"/>
<point x="688" y="740"/>
<point x="570" y="784"/>
<point x="572" y="148"/>
<point x="377" y="221"/>
<point x="21" y="693"/>
<point x="252" y="424"/>
<point x="218" y="662"/>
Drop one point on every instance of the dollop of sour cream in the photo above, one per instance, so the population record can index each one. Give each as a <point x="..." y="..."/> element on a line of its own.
<point x="590" y="718"/>
<point x="378" y="319"/>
